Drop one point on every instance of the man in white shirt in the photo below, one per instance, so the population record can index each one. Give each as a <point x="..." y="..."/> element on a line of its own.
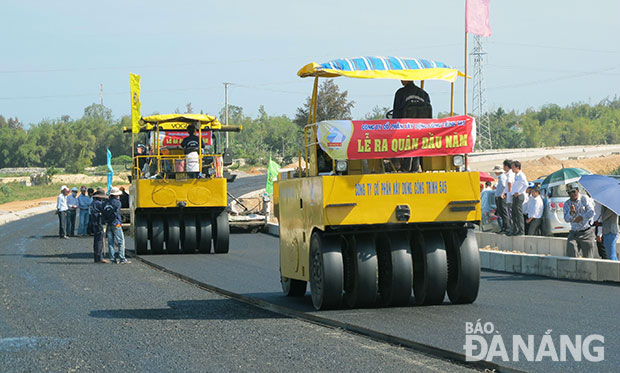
<point x="534" y="212"/>
<point x="61" y="211"/>
<point x="510" y="178"/>
<point x="518" y="189"/>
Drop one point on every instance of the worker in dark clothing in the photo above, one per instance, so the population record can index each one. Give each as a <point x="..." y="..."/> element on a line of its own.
<point x="191" y="142"/>
<point x="191" y="146"/>
<point x="140" y="152"/>
<point x="411" y="101"/>
<point x="124" y="198"/>
<point x="96" y="210"/>
<point x="409" y="93"/>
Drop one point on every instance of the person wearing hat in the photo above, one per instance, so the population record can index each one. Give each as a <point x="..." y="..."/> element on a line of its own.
<point x="72" y="203"/>
<point x="114" y="231"/>
<point x="61" y="211"/>
<point x="579" y="212"/>
<point x="96" y="224"/>
<point x="500" y="198"/>
<point x="140" y="152"/>
<point x="84" y="202"/>
<point x="191" y="145"/>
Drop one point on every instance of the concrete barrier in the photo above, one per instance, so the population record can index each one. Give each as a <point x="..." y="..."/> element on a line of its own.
<point x="554" y="246"/>
<point x="551" y="266"/>
<point x="543" y="256"/>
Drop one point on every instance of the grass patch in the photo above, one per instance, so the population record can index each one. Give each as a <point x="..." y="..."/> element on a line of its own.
<point x="14" y="174"/>
<point x="10" y="192"/>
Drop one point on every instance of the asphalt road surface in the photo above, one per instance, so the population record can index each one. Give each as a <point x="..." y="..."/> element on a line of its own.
<point x="515" y="304"/>
<point x="61" y="312"/>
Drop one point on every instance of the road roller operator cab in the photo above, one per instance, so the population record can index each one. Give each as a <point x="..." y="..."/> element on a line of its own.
<point x="357" y="220"/>
<point x="179" y="192"/>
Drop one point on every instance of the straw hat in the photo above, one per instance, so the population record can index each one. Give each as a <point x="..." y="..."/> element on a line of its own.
<point x="114" y="191"/>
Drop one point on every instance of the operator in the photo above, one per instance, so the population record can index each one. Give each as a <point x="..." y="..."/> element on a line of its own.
<point x="408" y="94"/>
<point x="192" y="142"/>
<point x="190" y="146"/>
<point x="411" y="98"/>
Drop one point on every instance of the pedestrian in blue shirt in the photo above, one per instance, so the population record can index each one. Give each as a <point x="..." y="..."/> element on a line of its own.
<point x="114" y="232"/>
<point x="84" y="202"/>
<point x="72" y="203"/>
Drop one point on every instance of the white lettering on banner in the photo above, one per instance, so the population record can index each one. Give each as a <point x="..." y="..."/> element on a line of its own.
<point x="484" y="342"/>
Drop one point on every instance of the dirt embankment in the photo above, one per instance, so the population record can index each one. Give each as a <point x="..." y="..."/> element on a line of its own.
<point x="548" y="164"/>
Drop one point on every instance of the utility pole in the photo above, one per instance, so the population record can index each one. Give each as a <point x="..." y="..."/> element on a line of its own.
<point x="480" y="111"/>
<point x="226" y="110"/>
<point x="101" y="94"/>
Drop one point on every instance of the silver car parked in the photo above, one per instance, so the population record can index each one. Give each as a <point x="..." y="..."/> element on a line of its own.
<point x="553" y="222"/>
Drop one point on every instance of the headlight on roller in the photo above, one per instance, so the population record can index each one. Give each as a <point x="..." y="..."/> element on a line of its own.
<point x="458" y="160"/>
<point x="341" y="166"/>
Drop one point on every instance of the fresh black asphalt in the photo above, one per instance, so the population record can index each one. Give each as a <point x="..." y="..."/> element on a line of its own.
<point x="61" y="312"/>
<point x="515" y="304"/>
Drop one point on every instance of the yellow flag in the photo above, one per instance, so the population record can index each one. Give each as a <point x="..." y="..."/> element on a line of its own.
<point x="134" y="83"/>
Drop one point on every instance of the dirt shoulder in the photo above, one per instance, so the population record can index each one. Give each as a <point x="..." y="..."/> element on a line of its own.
<point x="548" y="164"/>
<point x="24" y="205"/>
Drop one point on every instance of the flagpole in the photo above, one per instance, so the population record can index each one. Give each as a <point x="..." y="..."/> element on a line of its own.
<point x="465" y="85"/>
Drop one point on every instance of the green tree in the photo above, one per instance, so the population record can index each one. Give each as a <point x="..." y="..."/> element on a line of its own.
<point x="377" y="112"/>
<point x="332" y="104"/>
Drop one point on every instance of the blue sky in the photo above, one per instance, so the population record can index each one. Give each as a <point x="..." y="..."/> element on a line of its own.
<point x="55" y="54"/>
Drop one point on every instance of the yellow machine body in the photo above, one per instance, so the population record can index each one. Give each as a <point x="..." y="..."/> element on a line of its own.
<point x="157" y="193"/>
<point x="342" y="201"/>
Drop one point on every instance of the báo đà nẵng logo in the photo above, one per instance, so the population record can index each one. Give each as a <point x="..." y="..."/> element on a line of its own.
<point x="484" y="342"/>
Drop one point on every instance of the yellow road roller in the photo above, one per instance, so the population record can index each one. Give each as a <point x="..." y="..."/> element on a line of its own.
<point x="178" y="194"/>
<point x="381" y="207"/>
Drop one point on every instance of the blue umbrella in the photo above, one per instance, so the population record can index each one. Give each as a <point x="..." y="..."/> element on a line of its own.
<point x="603" y="189"/>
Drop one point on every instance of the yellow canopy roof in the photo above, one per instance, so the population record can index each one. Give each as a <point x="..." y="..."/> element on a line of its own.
<point x="390" y="67"/>
<point x="180" y="121"/>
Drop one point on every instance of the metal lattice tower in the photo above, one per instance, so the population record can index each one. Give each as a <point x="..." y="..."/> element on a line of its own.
<point x="480" y="111"/>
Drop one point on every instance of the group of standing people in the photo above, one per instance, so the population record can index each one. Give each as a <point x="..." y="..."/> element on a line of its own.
<point x="520" y="208"/>
<point x="518" y="203"/>
<point x="97" y="211"/>
<point x="67" y="205"/>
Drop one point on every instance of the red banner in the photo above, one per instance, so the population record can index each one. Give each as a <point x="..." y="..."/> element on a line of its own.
<point x="394" y="138"/>
<point x="172" y="139"/>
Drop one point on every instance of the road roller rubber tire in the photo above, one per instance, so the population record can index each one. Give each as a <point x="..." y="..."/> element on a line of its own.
<point x="221" y="233"/>
<point x="205" y="234"/>
<point x="189" y="236"/>
<point x="430" y="267"/>
<point x="157" y="234"/>
<point x="463" y="265"/>
<point x="395" y="269"/>
<point x="141" y="234"/>
<point x="292" y="287"/>
<point x="326" y="271"/>
<point x="174" y="234"/>
<point x="362" y="285"/>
